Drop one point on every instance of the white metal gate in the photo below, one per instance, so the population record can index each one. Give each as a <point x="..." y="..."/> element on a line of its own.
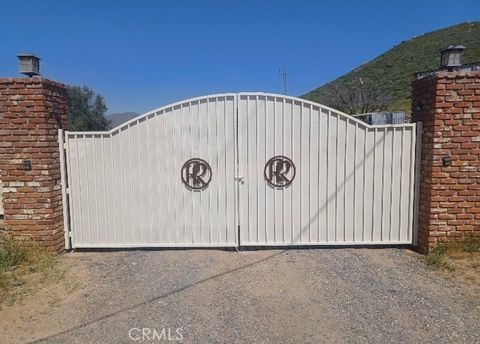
<point x="125" y="188"/>
<point x="136" y="186"/>
<point x="354" y="183"/>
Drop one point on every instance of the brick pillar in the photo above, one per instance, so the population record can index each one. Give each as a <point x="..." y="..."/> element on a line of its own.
<point x="31" y="112"/>
<point x="448" y="104"/>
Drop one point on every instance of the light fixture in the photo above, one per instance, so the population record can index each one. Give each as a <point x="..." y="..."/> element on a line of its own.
<point x="447" y="161"/>
<point x="451" y="56"/>
<point x="29" y="64"/>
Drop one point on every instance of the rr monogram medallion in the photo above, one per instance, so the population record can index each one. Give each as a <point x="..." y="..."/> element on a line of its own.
<point x="279" y="171"/>
<point x="196" y="174"/>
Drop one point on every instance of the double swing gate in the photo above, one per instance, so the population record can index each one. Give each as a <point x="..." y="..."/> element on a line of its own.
<point x="241" y="169"/>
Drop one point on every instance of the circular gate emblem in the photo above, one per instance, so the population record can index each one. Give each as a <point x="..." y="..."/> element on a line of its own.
<point x="196" y="174"/>
<point x="279" y="171"/>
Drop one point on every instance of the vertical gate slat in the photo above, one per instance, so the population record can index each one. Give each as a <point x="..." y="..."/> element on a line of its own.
<point x="190" y="221"/>
<point x="263" y="225"/>
<point x="269" y="202"/>
<point x="139" y="182"/>
<point x="133" y="218"/>
<point x="123" y="158"/>
<point x="88" y="170"/>
<point x="303" y="174"/>
<point x="401" y="183"/>
<point x="364" y="192"/>
<point x="355" y="182"/>
<point x="323" y="175"/>
<point x="103" y="181"/>
<point x="373" y="181"/>
<point x="221" y="176"/>
<point x="145" y="174"/>
<point x="395" y="187"/>
<point x="215" y="195"/>
<point x="95" y="226"/>
<point x="76" y="194"/>
<point x="197" y="217"/>
<point x="273" y="227"/>
<point x="112" y="189"/>
<point x="156" y="166"/>
<point x="296" y="158"/>
<point x="231" y="231"/>
<point x="288" y="149"/>
<point x="332" y="176"/>
<point x="349" y="181"/>
<point x="377" y="214"/>
<point x="225" y="195"/>
<point x="259" y="125"/>
<point x="248" y="168"/>
<point x="339" y="179"/>
<point x="202" y="228"/>
<point x="278" y="150"/>
<point x="313" y="174"/>
<point x="386" y="185"/>
<point x="210" y="158"/>
<point x="153" y="164"/>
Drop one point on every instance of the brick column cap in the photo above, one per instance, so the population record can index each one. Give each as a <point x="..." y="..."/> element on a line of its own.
<point x="449" y="75"/>
<point x="32" y="80"/>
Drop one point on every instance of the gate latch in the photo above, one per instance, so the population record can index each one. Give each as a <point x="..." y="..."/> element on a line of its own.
<point x="240" y="180"/>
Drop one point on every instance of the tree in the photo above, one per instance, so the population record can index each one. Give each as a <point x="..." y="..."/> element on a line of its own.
<point x="359" y="96"/>
<point x="87" y="110"/>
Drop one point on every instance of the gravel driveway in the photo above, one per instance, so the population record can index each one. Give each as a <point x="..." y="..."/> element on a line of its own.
<point x="266" y="296"/>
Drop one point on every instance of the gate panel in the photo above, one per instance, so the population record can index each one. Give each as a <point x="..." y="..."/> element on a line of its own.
<point x="125" y="186"/>
<point x="348" y="182"/>
<point x="354" y="183"/>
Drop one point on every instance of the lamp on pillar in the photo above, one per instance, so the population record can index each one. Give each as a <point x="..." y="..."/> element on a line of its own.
<point x="29" y="64"/>
<point x="451" y="57"/>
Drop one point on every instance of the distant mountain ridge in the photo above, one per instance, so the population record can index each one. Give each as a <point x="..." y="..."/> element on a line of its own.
<point x="121" y="117"/>
<point x="393" y="70"/>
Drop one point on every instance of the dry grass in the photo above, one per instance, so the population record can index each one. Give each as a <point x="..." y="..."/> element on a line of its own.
<point x="24" y="267"/>
<point x="461" y="259"/>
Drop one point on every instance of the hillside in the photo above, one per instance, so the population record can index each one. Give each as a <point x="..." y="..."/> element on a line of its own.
<point x="118" y="118"/>
<point x="393" y="71"/>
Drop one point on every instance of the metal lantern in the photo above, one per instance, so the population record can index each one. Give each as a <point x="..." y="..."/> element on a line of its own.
<point x="451" y="56"/>
<point x="29" y="64"/>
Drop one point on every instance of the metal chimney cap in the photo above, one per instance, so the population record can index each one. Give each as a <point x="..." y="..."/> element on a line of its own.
<point x="28" y="55"/>
<point x="453" y="47"/>
<point x="29" y="64"/>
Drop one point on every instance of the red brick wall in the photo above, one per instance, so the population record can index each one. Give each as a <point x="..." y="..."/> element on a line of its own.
<point x="31" y="111"/>
<point x="448" y="104"/>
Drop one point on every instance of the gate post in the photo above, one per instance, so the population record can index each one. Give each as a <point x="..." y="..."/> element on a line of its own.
<point x="31" y="112"/>
<point x="448" y="104"/>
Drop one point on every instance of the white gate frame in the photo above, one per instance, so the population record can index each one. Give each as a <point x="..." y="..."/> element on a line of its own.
<point x="66" y="178"/>
<point x="417" y="181"/>
<point x="275" y="115"/>
<point x="65" y="203"/>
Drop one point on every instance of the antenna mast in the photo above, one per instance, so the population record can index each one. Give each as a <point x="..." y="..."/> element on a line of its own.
<point x="284" y="75"/>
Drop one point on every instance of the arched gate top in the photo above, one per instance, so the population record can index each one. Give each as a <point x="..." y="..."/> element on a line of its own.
<point x="236" y="96"/>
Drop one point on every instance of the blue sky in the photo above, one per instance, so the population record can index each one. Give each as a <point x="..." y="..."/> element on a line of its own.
<point x="143" y="54"/>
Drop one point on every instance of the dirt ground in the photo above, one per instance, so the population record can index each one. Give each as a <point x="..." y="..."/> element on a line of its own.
<point x="267" y="296"/>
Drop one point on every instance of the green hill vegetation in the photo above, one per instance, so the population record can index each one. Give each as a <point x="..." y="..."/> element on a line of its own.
<point x="393" y="71"/>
